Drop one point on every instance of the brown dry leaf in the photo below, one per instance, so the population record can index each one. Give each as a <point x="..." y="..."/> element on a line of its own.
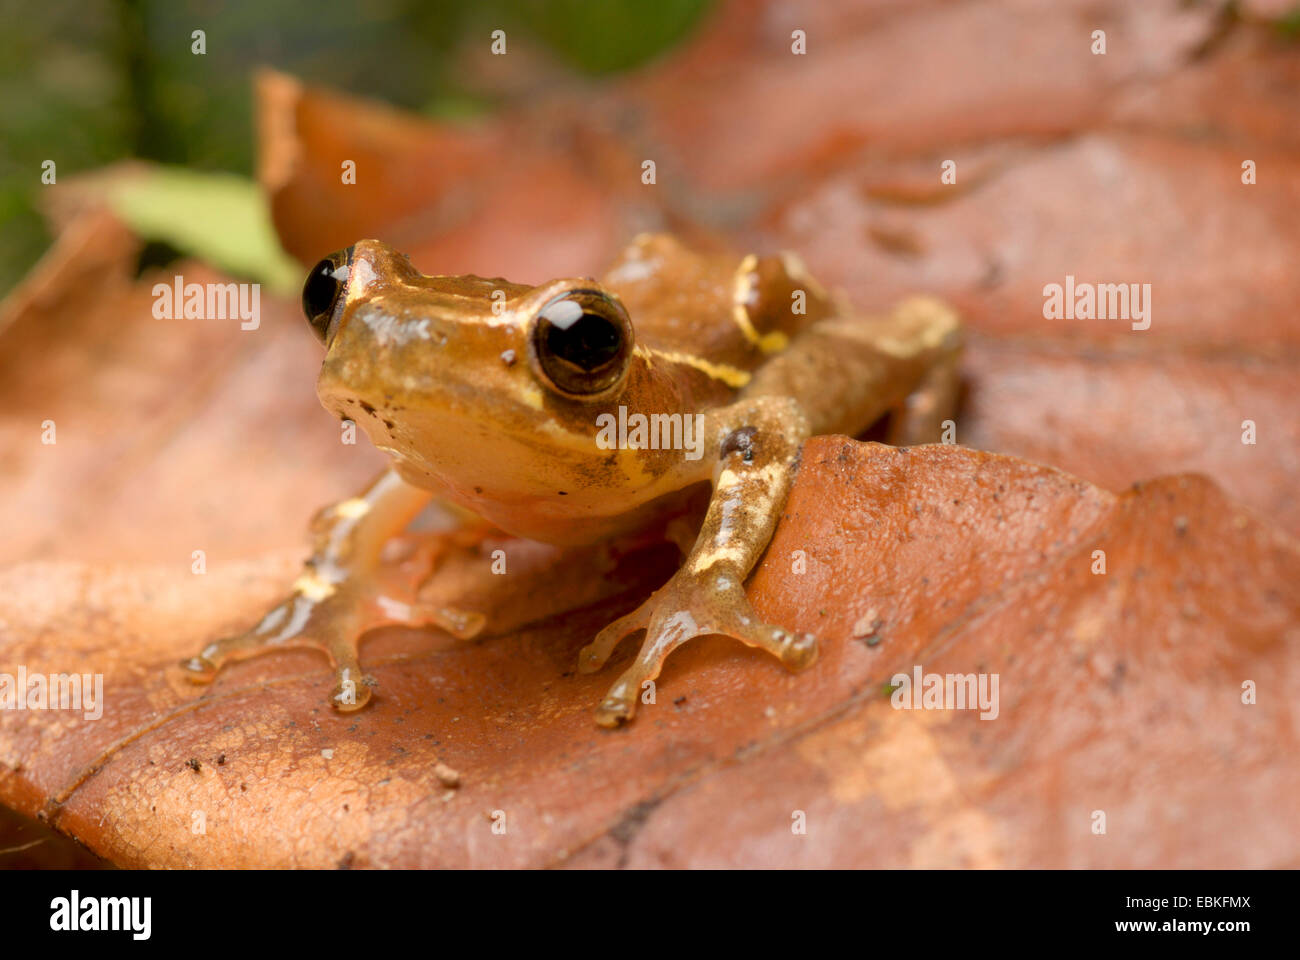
<point x="541" y="195"/>
<point x="1120" y="692"/>
<point x="172" y="435"/>
<point x="893" y="79"/>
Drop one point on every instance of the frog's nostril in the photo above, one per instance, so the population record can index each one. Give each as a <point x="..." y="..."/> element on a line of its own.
<point x="322" y="293"/>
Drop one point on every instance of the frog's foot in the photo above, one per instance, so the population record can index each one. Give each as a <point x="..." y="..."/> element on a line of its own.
<point x="346" y="589"/>
<point x="331" y="618"/>
<point x="689" y="605"/>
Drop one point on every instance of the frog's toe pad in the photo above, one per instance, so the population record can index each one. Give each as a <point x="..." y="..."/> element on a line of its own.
<point x="798" y="651"/>
<point x="595" y="654"/>
<point x="674" y="615"/>
<point x="351" y="692"/>
<point x="204" y="666"/>
<point x="461" y="624"/>
<point x="614" y="712"/>
<point x="198" y="669"/>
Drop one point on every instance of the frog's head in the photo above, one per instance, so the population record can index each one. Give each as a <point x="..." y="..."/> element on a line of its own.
<point x="485" y="390"/>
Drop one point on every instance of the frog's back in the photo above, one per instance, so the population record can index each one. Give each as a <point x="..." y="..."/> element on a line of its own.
<point x="718" y="315"/>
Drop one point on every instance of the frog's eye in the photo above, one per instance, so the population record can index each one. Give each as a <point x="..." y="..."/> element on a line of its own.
<point x="322" y="294"/>
<point x="582" y="341"/>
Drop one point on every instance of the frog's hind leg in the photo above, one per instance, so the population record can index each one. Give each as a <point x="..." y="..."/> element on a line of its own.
<point x="921" y="417"/>
<point x="848" y="371"/>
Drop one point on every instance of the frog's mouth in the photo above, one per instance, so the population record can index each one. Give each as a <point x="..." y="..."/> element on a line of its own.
<point x="508" y="470"/>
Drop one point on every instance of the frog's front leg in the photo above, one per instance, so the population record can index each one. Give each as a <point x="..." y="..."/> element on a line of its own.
<point x="339" y="595"/>
<point x="758" y="442"/>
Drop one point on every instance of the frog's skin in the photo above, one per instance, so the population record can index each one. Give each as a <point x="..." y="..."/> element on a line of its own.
<point x="459" y="381"/>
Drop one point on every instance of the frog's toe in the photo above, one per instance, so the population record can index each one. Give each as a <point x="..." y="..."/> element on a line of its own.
<point x="614" y="711"/>
<point x="595" y="654"/>
<point x="688" y="607"/>
<point x="796" y="650"/>
<point x="351" y="692"/>
<point x="199" y="669"/>
<point x="731" y="615"/>
<point x="207" y="663"/>
<point x="461" y="624"/>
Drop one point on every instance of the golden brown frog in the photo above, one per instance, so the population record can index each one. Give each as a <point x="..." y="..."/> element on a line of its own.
<point x="577" y="412"/>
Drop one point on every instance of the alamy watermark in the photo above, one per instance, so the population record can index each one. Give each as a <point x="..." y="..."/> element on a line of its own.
<point x="946" y="691"/>
<point x="656" y="431"/>
<point x="55" y="691"/>
<point x="75" y="913"/>
<point x="209" y="301"/>
<point x="1098" y="301"/>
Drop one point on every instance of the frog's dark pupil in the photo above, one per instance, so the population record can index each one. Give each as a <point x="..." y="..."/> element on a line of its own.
<point x="581" y="343"/>
<point x="588" y="343"/>
<point x="320" y="290"/>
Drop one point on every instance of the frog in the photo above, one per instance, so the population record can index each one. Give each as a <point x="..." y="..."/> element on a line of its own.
<point x="497" y="398"/>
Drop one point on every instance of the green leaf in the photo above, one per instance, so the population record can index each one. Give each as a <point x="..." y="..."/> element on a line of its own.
<point x="601" y="36"/>
<point x="217" y="217"/>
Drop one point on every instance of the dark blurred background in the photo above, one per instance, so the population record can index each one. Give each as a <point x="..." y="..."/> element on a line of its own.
<point x="89" y="82"/>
